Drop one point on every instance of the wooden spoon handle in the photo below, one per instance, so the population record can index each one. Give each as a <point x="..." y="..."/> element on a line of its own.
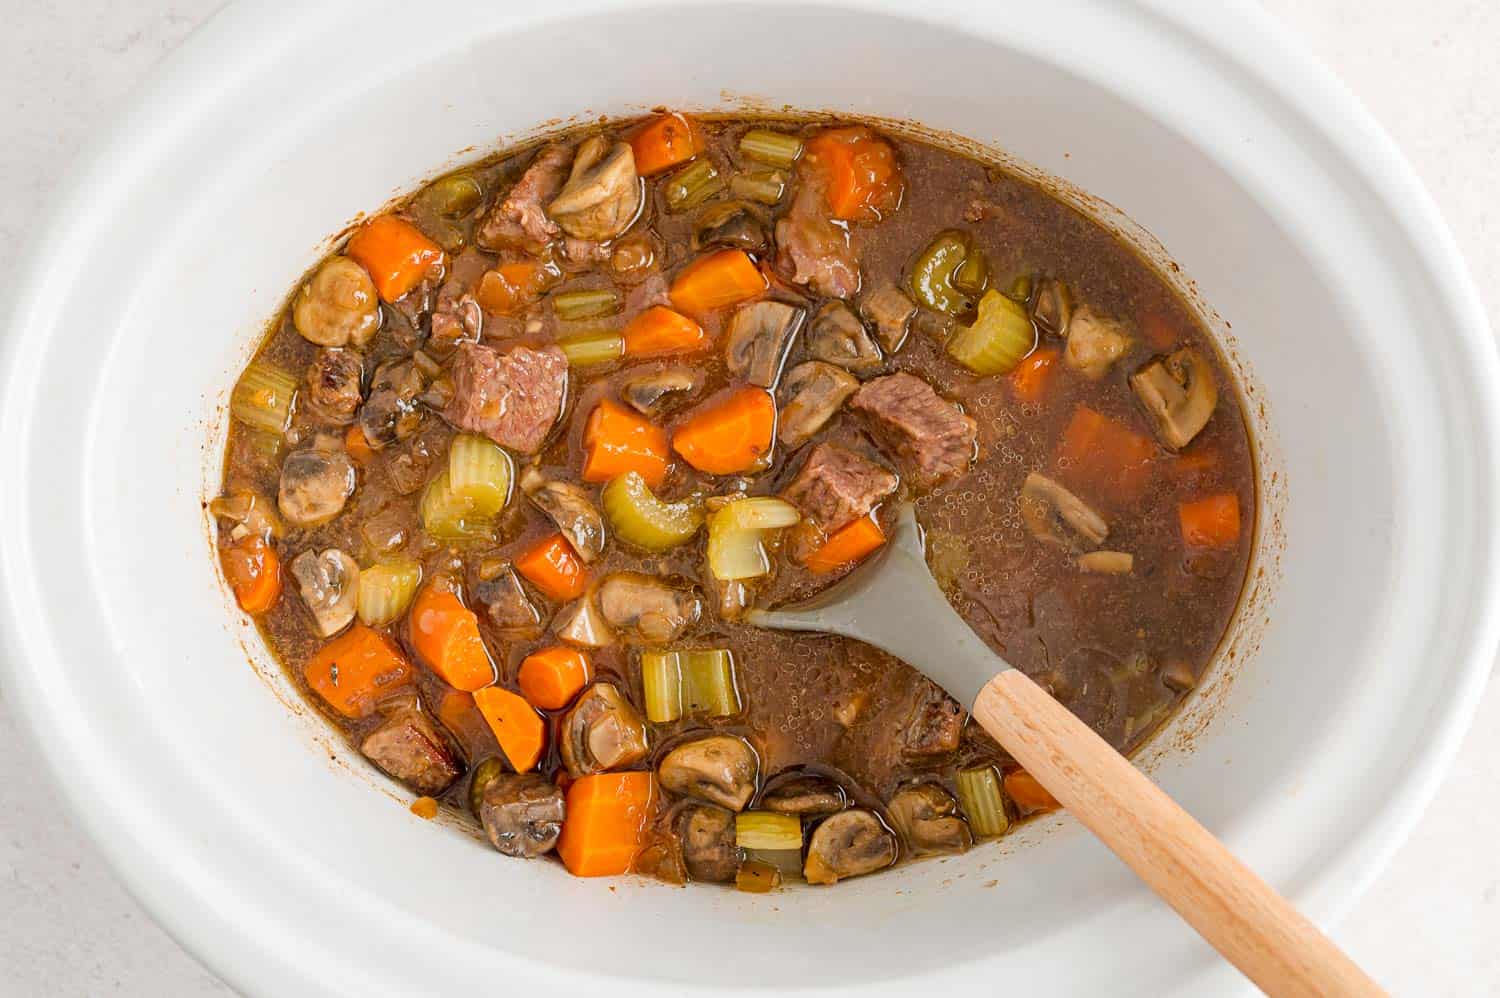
<point x="1255" y="928"/>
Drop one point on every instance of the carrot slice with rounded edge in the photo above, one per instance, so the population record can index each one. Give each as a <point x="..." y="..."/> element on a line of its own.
<point x="606" y="819"/>
<point x="616" y="440"/>
<point x="1032" y="377"/>
<point x="728" y="435"/>
<point x="846" y="545"/>
<point x="511" y="286"/>
<point x="1029" y="795"/>
<point x="864" y="181"/>
<point x="663" y="143"/>
<point x="517" y="726"/>
<point x="554" y="567"/>
<point x="661" y="332"/>
<point x="254" y="573"/>
<point x="1210" y="522"/>
<point x="356" y="668"/>
<point x="445" y="634"/>
<point x="395" y="253"/>
<point x="716" y="280"/>
<point x="552" y="677"/>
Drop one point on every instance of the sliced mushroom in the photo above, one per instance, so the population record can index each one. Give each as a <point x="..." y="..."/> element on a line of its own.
<point x="708" y="847"/>
<point x="805" y="795"/>
<point x="928" y="819"/>
<point x="730" y="223"/>
<point x="647" y="609"/>
<point x="1053" y="309"/>
<point x="506" y="603"/>
<point x="390" y="413"/>
<point x="1179" y="394"/>
<point x="836" y="335"/>
<point x="602" y="731"/>
<point x="522" y="814"/>
<point x="329" y="581"/>
<point x="603" y="193"/>
<point x="251" y="513"/>
<point x="720" y="769"/>
<point x="316" y="481"/>
<point x="1107" y="562"/>
<point x="890" y="311"/>
<point x="759" y="336"/>
<point x="1094" y="343"/>
<point x="848" y="844"/>
<point x="813" y="392"/>
<point x="570" y="508"/>
<point x="580" y="623"/>
<point x="1051" y="511"/>
<point x="647" y="392"/>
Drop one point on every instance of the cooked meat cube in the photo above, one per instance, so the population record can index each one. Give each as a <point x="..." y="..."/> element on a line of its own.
<point x="758" y="338"/>
<point x="522" y="814"/>
<point x="391" y="412"/>
<point x="708" y="847"/>
<point x="936" y="723"/>
<point x="649" y="610"/>
<point x="1094" y="343"/>
<point x="928" y="819"/>
<point x="648" y="392"/>
<point x="410" y="461"/>
<point x="519" y="220"/>
<point x="837" y="336"/>
<point x="602" y="731"/>
<point x="848" y="844"/>
<point x="890" y="311"/>
<point x="837" y="486"/>
<point x="813" y="393"/>
<point x="456" y="315"/>
<point x="932" y="435"/>
<point x="329" y="583"/>
<point x="316" y="481"/>
<point x="652" y="290"/>
<point x="409" y="747"/>
<point x="602" y="195"/>
<point x="814" y="250"/>
<point x="334" y="384"/>
<point x="506" y="604"/>
<point x="720" y="769"/>
<point x="513" y="398"/>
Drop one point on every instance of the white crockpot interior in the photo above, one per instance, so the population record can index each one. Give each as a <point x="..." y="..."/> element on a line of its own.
<point x="293" y="870"/>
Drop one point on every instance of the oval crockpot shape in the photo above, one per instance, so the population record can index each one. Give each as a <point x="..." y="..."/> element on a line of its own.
<point x="1374" y="394"/>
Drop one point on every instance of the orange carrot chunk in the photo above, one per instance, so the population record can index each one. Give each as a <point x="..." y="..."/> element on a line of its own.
<point x="552" y="677"/>
<point x="663" y="143"/>
<point x="616" y="440"/>
<point x="864" y="182"/>
<point x="1210" y="522"/>
<point x="555" y="568"/>
<point x="358" y="445"/>
<point x="1031" y="378"/>
<point x="356" y="668"/>
<point x="846" y="545"/>
<point x="396" y="254"/>
<point x="512" y="286"/>
<point x="728" y="435"/>
<point x="518" y="728"/>
<point x="716" y="280"/>
<point x="445" y="634"/>
<point x="606" y="819"/>
<point x="457" y="712"/>
<point x="1029" y="795"/>
<point x="1102" y="454"/>
<point x="660" y="332"/>
<point x="254" y="573"/>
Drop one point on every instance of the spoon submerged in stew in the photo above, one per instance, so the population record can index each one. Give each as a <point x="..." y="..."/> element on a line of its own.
<point x="892" y="602"/>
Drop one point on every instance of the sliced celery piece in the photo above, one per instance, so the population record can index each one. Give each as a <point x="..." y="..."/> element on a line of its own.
<point x="263" y="397"/>
<point x="708" y="684"/>
<point x="735" y="548"/>
<point x="592" y="348"/>
<point x="983" y="801"/>
<point x="592" y="303"/>
<point x="692" y="185"/>
<point x="449" y="517"/>
<point x="763" y="186"/>
<point x="771" y="148"/>
<point x="762" y="513"/>
<point x="479" y="471"/>
<point x="767" y="830"/>
<point x="999" y="338"/>
<point x="453" y="196"/>
<point x="639" y="518"/>
<point x="662" y="681"/>
<point x="385" y="591"/>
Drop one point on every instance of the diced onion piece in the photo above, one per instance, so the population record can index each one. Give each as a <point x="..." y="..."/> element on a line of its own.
<point x="385" y="591"/>
<point x="733" y="552"/>
<point x="762" y="513"/>
<point x="692" y="185"/>
<point x="772" y="148"/>
<point x="983" y="801"/>
<point x="480" y="472"/>
<point x="763" y="186"/>
<point x="755" y="877"/>
<point x="708" y="684"/>
<point x="592" y="348"/>
<point x="263" y="397"/>
<point x="999" y="338"/>
<point x="592" y="303"/>
<point x="639" y="518"/>
<point x="662" y="682"/>
<point x="449" y="517"/>
<point x="767" y="830"/>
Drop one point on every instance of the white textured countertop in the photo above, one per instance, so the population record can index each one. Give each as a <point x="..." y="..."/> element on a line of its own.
<point x="1429" y="926"/>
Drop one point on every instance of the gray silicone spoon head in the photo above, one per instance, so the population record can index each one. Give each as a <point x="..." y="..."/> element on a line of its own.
<point x="893" y="602"/>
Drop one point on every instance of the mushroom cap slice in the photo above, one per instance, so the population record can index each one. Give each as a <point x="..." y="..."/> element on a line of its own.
<point x="837" y="336"/>
<point x="603" y="193"/>
<point x="1094" y="343"/>
<point x="602" y="731"/>
<point x="708" y="847"/>
<point x="522" y="814"/>
<point x="568" y="506"/>
<point x="580" y="623"/>
<point x="1057" y="516"/>
<point x="647" y="608"/>
<point x="813" y="393"/>
<point x="315" y="483"/>
<point x="730" y="223"/>
<point x="1053" y="309"/>
<point x="805" y="795"/>
<point x="929" y="820"/>
<point x="848" y="844"/>
<point x="758" y="338"/>
<point x="1179" y="393"/>
<point x="720" y="769"/>
<point x="648" y="392"/>
<point x="329" y="582"/>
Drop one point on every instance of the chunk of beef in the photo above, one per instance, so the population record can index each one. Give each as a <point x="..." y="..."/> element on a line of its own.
<point x="513" y="398"/>
<point x="932" y="435"/>
<point x="1095" y="342"/>
<point x="456" y="315"/>
<point x="814" y="249"/>
<point x="506" y="604"/>
<point x="334" y="384"/>
<point x="652" y="290"/>
<point x="888" y="308"/>
<point x="837" y="486"/>
<point x="411" y="749"/>
<point x="936" y="723"/>
<point x="519" y="220"/>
